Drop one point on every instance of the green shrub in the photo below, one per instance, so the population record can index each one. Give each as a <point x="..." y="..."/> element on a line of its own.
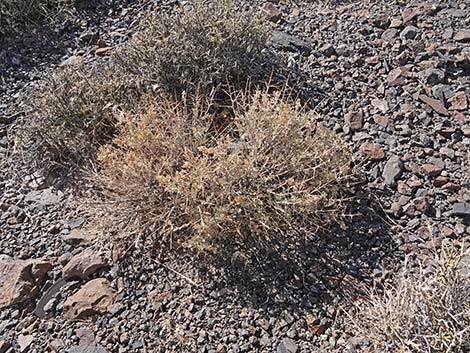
<point x="195" y="178"/>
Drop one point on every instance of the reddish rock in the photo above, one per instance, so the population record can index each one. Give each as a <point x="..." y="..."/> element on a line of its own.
<point x="354" y="120"/>
<point x="93" y="298"/>
<point x="430" y="170"/>
<point x="466" y="130"/>
<point x="103" y="51"/>
<point x="436" y="105"/>
<point x="21" y="280"/>
<point x="458" y="101"/>
<point x="409" y="15"/>
<point x="372" y="151"/>
<point x="451" y="186"/>
<point x="84" y="264"/>
<point x="421" y="204"/>
<point x="271" y="11"/>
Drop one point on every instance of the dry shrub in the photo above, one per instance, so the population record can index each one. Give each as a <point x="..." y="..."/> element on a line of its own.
<point x="427" y="311"/>
<point x="189" y="176"/>
<point x="197" y="48"/>
<point x="15" y="14"/>
<point x="73" y="114"/>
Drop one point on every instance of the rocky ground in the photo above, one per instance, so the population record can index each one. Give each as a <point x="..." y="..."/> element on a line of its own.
<point x="392" y="78"/>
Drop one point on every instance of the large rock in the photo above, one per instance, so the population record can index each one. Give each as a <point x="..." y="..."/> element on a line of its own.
<point x="84" y="264"/>
<point x="93" y="298"/>
<point x="21" y="280"/>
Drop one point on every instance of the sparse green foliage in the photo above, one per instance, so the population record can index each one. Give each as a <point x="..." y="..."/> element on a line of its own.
<point x="176" y="174"/>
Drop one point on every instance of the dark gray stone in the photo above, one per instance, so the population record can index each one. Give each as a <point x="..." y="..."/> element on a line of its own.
<point x="288" y="42"/>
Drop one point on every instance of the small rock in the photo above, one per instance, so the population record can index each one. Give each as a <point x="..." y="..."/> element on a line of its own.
<point x="372" y="151"/>
<point x="93" y="298"/>
<point x="287" y="346"/>
<point x="84" y="264"/>
<point x="409" y="32"/>
<point x="430" y="170"/>
<point x="24" y="341"/>
<point x="354" y="120"/>
<point x="462" y="35"/>
<point x="103" y="51"/>
<point x="409" y="15"/>
<point x="271" y="11"/>
<point x="436" y="105"/>
<point x="392" y="170"/>
<point x="461" y="209"/>
<point x="442" y="92"/>
<point x="458" y="101"/>
<point x="288" y="42"/>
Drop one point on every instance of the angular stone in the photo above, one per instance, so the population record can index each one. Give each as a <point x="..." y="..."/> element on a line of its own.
<point x="409" y="15"/>
<point x="432" y="76"/>
<point x="462" y="35"/>
<point x="21" y="280"/>
<point x="46" y="197"/>
<point x="436" y="105"/>
<point x="84" y="264"/>
<point x="24" y="341"/>
<point x="354" y="120"/>
<point x="287" y="346"/>
<point x="372" y="151"/>
<point x="271" y="11"/>
<point x="430" y="170"/>
<point x="392" y="170"/>
<point x="461" y="209"/>
<point x="93" y="298"/>
<point x="103" y="51"/>
<point x="381" y="21"/>
<point x="81" y="235"/>
<point x="409" y="32"/>
<point x="458" y="101"/>
<point x="288" y="42"/>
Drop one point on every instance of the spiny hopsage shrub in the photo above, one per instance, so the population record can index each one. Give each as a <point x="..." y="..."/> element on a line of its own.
<point x="427" y="309"/>
<point x="72" y="114"/>
<point x="198" y="48"/>
<point x="195" y="49"/>
<point x="188" y="177"/>
<point x="16" y="14"/>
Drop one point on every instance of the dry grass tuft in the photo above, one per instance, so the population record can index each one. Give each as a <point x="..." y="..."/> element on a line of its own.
<point x="428" y="311"/>
<point x="187" y="176"/>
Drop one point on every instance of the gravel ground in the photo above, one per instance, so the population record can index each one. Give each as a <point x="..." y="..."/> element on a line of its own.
<point x="391" y="77"/>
